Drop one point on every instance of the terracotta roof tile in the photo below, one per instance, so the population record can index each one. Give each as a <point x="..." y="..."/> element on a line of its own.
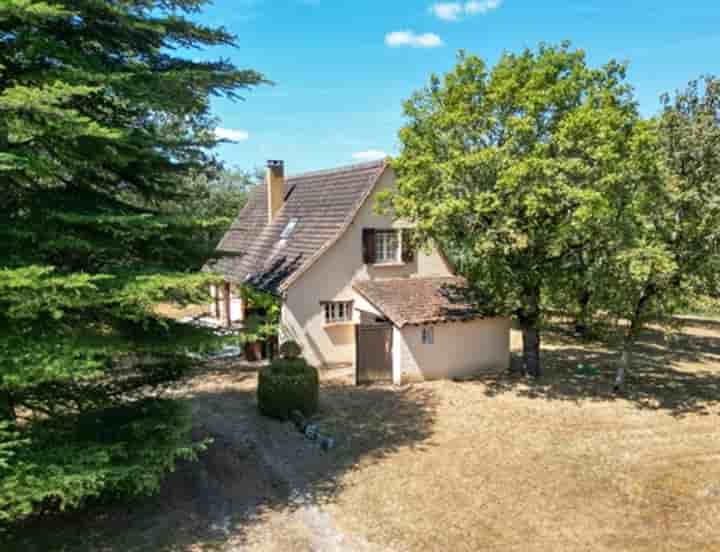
<point x="418" y="300"/>
<point x="324" y="202"/>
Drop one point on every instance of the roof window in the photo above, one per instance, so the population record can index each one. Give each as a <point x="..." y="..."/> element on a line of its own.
<point x="289" y="228"/>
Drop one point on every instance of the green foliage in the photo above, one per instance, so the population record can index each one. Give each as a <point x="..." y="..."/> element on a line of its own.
<point x="512" y="171"/>
<point x="290" y="349"/>
<point x="103" y="128"/>
<point x="215" y="198"/>
<point x="664" y="250"/>
<point x="124" y="450"/>
<point x="287" y="385"/>
<point x="264" y="322"/>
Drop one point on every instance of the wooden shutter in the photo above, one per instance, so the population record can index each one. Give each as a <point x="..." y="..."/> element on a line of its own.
<point x="408" y="247"/>
<point x="368" y="246"/>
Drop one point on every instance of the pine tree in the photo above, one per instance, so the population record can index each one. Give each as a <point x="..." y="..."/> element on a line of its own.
<point x="100" y="120"/>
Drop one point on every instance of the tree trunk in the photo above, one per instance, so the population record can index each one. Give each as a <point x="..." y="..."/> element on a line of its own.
<point x="531" y="351"/>
<point x="529" y="318"/>
<point x="581" y="324"/>
<point x="625" y="365"/>
<point x="7" y="408"/>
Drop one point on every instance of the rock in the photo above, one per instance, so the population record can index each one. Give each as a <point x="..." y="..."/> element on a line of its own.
<point x="311" y="431"/>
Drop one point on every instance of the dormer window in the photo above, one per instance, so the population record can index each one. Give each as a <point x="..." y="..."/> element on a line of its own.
<point x="289" y="228"/>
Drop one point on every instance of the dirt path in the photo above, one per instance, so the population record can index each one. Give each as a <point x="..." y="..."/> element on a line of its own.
<point x="282" y="462"/>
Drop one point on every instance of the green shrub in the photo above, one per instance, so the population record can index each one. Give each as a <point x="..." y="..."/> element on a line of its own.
<point x="290" y="349"/>
<point x="287" y="385"/>
<point x="120" y="451"/>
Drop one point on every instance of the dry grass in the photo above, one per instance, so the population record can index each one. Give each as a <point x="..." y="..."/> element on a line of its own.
<point x="176" y="312"/>
<point x="493" y="464"/>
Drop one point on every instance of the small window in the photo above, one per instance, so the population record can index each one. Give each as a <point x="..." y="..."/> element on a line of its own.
<point x="387" y="246"/>
<point x="288" y="230"/>
<point x="338" y="311"/>
<point x="428" y="335"/>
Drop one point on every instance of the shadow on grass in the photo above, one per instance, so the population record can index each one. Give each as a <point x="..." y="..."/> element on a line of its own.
<point x="254" y="467"/>
<point x="677" y="372"/>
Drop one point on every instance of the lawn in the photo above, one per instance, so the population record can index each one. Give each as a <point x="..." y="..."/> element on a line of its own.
<point x="498" y="463"/>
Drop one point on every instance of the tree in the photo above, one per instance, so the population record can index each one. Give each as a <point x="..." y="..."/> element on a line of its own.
<point x="665" y="246"/>
<point x="511" y="172"/>
<point x="101" y="120"/>
<point x="218" y="196"/>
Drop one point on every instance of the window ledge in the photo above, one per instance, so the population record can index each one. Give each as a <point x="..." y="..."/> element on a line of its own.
<point x="390" y="264"/>
<point x="339" y="324"/>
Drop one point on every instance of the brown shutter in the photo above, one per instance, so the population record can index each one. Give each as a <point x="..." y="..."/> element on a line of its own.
<point x="408" y="247"/>
<point x="368" y="245"/>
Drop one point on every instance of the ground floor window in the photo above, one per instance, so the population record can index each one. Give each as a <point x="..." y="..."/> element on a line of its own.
<point x="428" y="335"/>
<point x="338" y="311"/>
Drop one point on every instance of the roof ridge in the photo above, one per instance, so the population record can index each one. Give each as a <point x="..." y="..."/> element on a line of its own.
<point x="341" y="169"/>
<point x="408" y="278"/>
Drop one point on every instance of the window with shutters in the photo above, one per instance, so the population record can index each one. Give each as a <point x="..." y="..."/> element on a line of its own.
<point x="338" y="312"/>
<point x="428" y="335"/>
<point x="387" y="246"/>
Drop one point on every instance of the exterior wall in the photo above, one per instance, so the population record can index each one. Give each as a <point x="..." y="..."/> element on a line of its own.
<point x="399" y="347"/>
<point x="331" y="278"/>
<point x="212" y="307"/>
<point x="459" y="349"/>
<point x="237" y="309"/>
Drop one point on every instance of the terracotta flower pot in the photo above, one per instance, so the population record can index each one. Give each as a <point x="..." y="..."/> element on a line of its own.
<point x="253" y="351"/>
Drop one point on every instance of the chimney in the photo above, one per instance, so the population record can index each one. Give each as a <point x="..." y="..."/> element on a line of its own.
<point x="275" y="179"/>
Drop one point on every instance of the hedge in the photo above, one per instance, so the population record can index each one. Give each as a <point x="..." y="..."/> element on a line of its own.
<point x="287" y="385"/>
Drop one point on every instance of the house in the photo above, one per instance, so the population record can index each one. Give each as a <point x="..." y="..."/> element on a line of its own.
<point x="353" y="291"/>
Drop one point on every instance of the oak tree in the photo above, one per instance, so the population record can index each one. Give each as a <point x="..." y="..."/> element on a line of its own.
<point x="510" y="170"/>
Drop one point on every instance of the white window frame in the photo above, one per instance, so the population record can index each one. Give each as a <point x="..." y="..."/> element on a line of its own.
<point x="428" y="335"/>
<point x="337" y="312"/>
<point x="382" y="246"/>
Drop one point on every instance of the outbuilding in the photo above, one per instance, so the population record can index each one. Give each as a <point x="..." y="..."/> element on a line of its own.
<point x="415" y="329"/>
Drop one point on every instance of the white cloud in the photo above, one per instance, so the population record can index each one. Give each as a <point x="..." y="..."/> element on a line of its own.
<point x="410" y="38"/>
<point x="447" y="11"/>
<point x="231" y="134"/>
<point x="481" y="6"/>
<point x="369" y="155"/>
<point x="454" y="11"/>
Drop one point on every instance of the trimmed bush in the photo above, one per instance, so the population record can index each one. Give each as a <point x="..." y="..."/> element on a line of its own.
<point x="287" y="385"/>
<point x="290" y="349"/>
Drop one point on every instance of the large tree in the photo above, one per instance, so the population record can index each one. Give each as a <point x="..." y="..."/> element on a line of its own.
<point x="511" y="170"/>
<point x="665" y="248"/>
<point x="101" y="117"/>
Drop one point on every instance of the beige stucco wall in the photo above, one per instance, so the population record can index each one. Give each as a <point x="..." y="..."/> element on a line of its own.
<point x="459" y="349"/>
<point x="237" y="312"/>
<point x="330" y="279"/>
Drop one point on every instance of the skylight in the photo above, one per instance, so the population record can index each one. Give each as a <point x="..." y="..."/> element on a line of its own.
<point x="289" y="229"/>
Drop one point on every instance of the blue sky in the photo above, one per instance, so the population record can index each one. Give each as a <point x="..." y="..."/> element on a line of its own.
<point x="343" y="68"/>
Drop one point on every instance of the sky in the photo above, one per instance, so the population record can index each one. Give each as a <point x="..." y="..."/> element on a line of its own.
<point x="341" y="69"/>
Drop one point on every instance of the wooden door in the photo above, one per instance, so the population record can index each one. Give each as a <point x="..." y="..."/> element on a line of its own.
<point x="373" y="351"/>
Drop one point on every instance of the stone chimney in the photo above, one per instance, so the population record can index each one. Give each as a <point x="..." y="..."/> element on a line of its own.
<point x="275" y="179"/>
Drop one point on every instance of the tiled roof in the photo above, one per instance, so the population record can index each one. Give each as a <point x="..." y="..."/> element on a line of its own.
<point x="418" y="300"/>
<point x="324" y="202"/>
